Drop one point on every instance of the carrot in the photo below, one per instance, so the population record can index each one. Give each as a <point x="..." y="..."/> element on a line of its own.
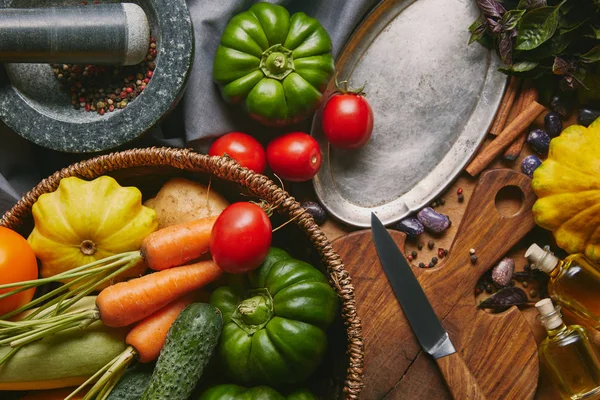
<point x="145" y="342"/>
<point x="148" y="336"/>
<point x="175" y="245"/>
<point x="127" y="302"/>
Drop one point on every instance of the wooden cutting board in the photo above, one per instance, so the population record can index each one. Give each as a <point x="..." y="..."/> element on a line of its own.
<point x="499" y="349"/>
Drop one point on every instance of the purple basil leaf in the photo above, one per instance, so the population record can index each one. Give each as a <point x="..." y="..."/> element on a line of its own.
<point x="477" y="29"/>
<point x="491" y="8"/>
<point x="531" y="4"/>
<point x="504" y="298"/>
<point x="505" y="47"/>
<point x="560" y="66"/>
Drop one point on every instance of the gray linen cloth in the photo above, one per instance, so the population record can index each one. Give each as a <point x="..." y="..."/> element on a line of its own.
<point x="202" y="115"/>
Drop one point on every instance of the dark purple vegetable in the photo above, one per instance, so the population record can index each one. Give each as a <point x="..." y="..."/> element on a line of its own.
<point x="315" y="209"/>
<point x="553" y="124"/>
<point x="504" y="298"/>
<point x="530" y="164"/>
<point x="433" y="220"/>
<point x="587" y="116"/>
<point x="539" y="141"/>
<point x="560" y="105"/>
<point x="411" y="226"/>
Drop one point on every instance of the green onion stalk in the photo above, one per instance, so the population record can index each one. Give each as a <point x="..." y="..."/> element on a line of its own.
<point x="52" y="316"/>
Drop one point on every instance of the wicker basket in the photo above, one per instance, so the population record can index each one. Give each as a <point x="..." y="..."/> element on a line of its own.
<point x="134" y="167"/>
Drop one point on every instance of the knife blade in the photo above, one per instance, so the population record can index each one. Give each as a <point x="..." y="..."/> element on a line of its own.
<point x="422" y="318"/>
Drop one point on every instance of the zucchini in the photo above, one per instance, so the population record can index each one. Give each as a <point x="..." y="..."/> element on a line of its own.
<point x="132" y="384"/>
<point x="189" y="345"/>
<point x="66" y="359"/>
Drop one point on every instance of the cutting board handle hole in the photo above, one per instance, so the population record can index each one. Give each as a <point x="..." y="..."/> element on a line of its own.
<point x="509" y="201"/>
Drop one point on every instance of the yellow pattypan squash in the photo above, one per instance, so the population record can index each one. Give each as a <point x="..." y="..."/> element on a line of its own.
<point x="82" y="222"/>
<point x="568" y="188"/>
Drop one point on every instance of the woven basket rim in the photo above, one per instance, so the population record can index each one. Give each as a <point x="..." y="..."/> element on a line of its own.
<point x="259" y="185"/>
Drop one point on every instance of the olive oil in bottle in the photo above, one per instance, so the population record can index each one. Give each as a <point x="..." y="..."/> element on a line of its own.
<point x="574" y="282"/>
<point x="568" y="355"/>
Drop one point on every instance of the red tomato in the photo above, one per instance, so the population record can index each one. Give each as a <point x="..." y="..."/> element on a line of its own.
<point x="294" y="156"/>
<point x="17" y="264"/>
<point x="347" y="120"/>
<point x="240" y="238"/>
<point x="243" y="148"/>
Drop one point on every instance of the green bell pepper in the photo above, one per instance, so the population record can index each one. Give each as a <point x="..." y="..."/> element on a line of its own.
<point x="236" y="392"/>
<point x="274" y="321"/>
<point x="276" y="65"/>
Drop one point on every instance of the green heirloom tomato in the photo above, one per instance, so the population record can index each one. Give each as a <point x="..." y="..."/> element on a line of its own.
<point x="275" y="321"/>
<point x="276" y="65"/>
<point x="236" y="392"/>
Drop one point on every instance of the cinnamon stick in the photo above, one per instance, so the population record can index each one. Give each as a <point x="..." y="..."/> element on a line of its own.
<point x="506" y="137"/>
<point x="506" y="105"/>
<point x="528" y="93"/>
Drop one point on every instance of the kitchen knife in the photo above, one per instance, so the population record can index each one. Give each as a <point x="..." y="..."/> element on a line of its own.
<point x="424" y="322"/>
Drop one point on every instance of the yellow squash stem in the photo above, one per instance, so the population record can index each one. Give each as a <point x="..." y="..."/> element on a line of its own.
<point x="108" y="376"/>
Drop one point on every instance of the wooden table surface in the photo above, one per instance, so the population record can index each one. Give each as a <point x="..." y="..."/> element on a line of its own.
<point x="454" y="210"/>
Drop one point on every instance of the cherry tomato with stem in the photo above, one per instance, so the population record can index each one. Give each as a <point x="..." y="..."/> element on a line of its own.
<point x="243" y="148"/>
<point x="347" y="118"/>
<point x="295" y="156"/>
<point x="17" y="264"/>
<point x="241" y="237"/>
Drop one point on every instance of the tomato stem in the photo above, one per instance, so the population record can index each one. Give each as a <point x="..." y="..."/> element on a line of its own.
<point x="346" y="89"/>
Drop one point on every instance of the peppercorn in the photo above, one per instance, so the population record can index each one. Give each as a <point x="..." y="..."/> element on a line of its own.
<point x="83" y="82"/>
<point x="413" y="254"/>
<point x="409" y="258"/>
<point x="441" y="253"/>
<point x="420" y="246"/>
<point x="525" y="284"/>
<point x="434" y="260"/>
<point x="421" y="265"/>
<point x="489" y="288"/>
<point x="527" y="268"/>
<point x="459" y="190"/>
<point x="442" y="202"/>
<point x="473" y="259"/>
<point x="430" y="244"/>
<point x="471" y="251"/>
<point x="461" y="198"/>
<point x="477" y="291"/>
<point x="431" y="265"/>
<point x="445" y="252"/>
<point x="533" y="293"/>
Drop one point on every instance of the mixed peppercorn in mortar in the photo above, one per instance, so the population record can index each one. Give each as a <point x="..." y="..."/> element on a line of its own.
<point x="104" y="88"/>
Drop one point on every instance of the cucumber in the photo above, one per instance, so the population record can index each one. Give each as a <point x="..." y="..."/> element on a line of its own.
<point x="189" y="345"/>
<point x="132" y="384"/>
<point x="66" y="359"/>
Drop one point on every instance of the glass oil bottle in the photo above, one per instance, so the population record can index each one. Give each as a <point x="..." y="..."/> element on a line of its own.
<point x="568" y="355"/>
<point x="574" y="282"/>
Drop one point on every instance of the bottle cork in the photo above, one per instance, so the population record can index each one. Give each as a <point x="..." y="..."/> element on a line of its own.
<point x="115" y="34"/>
<point x="543" y="260"/>
<point x="549" y="315"/>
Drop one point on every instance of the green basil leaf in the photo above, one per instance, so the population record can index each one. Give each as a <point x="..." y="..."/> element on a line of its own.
<point x="477" y="30"/>
<point x="536" y="27"/>
<point x="555" y="46"/>
<point x="511" y="19"/>
<point x="595" y="33"/>
<point x="521" y="66"/>
<point x="591" y="56"/>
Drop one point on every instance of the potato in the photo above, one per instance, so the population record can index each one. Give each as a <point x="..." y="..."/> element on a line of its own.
<point x="181" y="200"/>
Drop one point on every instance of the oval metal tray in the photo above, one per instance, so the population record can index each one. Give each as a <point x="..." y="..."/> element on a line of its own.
<point x="433" y="97"/>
